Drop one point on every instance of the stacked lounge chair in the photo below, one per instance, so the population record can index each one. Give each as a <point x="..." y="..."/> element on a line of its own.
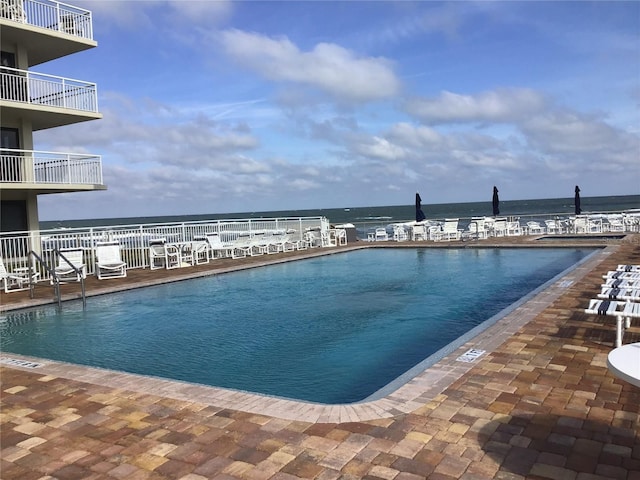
<point x="619" y="298"/>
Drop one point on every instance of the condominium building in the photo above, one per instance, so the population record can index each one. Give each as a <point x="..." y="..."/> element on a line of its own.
<point x="32" y="33"/>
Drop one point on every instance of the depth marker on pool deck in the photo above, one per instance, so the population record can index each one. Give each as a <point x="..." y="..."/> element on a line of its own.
<point x="470" y="355"/>
<point x="20" y="363"/>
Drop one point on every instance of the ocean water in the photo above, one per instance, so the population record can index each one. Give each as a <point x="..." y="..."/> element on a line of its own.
<point x="390" y="213"/>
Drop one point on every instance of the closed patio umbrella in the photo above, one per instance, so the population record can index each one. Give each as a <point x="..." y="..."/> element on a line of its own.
<point x="577" y="201"/>
<point x="496" y="202"/>
<point x="420" y="216"/>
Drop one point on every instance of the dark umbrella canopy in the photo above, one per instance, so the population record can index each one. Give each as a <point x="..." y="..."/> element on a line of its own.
<point x="496" y="202"/>
<point x="420" y="216"/>
<point x="577" y="201"/>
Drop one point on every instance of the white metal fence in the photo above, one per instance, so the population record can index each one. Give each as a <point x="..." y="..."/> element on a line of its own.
<point x="29" y="166"/>
<point x="135" y="239"/>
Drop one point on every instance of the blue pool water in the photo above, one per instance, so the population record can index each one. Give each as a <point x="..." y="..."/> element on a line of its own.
<point x="332" y="329"/>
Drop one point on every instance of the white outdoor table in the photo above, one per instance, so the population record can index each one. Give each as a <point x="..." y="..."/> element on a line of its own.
<point x="624" y="362"/>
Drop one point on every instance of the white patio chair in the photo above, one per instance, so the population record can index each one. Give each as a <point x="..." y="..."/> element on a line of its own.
<point x="312" y="239"/>
<point x="499" y="227"/>
<point x="552" y="227"/>
<point x="614" y="224"/>
<point x="163" y="255"/>
<point x="399" y="233"/>
<point x="199" y="250"/>
<point x="16" y="280"/>
<point x="514" y="229"/>
<point x="449" y="231"/>
<point x="419" y="232"/>
<point x="476" y="229"/>
<point x="71" y="266"/>
<point x="341" y="236"/>
<point x="433" y="231"/>
<point x="381" y="235"/>
<point x="584" y="224"/>
<point x="109" y="263"/>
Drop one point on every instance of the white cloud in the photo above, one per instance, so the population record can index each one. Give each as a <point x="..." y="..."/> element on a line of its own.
<point x="416" y="136"/>
<point x="328" y="67"/>
<point x="501" y="105"/>
<point x="570" y="132"/>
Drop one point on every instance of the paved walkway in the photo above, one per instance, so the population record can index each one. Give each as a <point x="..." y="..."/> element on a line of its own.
<point x="539" y="404"/>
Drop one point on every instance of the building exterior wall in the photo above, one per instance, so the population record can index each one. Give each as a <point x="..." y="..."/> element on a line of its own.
<point x="33" y="42"/>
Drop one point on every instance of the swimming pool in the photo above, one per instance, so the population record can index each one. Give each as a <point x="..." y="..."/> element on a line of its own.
<point x="332" y="329"/>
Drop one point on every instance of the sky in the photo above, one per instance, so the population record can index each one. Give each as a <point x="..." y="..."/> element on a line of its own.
<point x="220" y="107"/>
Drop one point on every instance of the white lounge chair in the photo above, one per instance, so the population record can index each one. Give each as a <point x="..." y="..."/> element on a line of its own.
<point x="622" y="294"/>
<point x="617" y="275"/>
<point x="17" y="279"/>
<point x="71" y="266"/>
<point x="622" y="311"/>
<point x="289" y="243"/>
<point x="628" y="268"/>
<point x="245" y="244"/>
<point x="218" y="248"/>
<point x="109" y="263"/>
<point x="277" y="241"/>
<point x="534" y="228"/>
<point x="620" y="283"/>
<point x="163" y="255"/>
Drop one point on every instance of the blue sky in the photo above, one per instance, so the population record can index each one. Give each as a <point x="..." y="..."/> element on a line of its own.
<point x="215" y="106"/>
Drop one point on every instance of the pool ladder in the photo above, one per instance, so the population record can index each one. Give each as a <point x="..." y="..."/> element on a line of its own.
<point x="54" y="277"/>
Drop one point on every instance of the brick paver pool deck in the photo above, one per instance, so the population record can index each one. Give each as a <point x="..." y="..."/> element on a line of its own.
<point x="540" y="403"/>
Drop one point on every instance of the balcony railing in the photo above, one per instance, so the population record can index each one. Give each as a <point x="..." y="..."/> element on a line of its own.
<point x="41" y="89"/>
<point x="49" y="14"/>
<point x="29" y="166"/>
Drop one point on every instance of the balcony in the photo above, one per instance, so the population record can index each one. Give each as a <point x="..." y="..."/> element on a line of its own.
<point x="50" y="172"/>
<point x="48" y="29"/>
<point x="46" y="100"/>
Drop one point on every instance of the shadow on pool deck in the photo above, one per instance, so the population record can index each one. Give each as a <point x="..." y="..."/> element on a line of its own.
<point x="540" y="404"/>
